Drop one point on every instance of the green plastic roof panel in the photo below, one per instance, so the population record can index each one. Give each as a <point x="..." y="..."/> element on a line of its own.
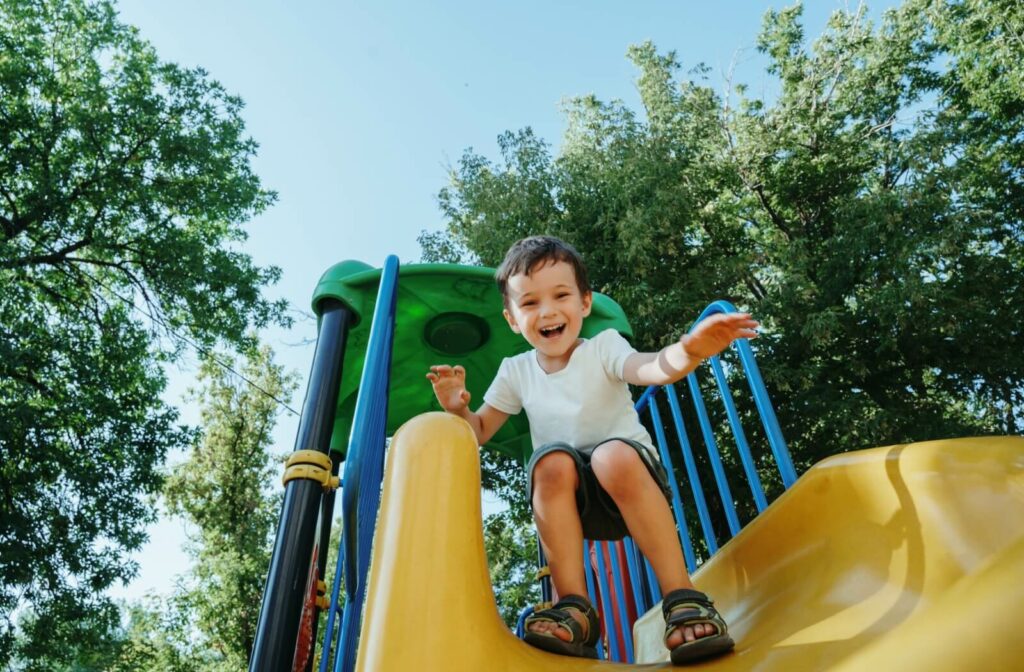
<point x="446" y="314"/>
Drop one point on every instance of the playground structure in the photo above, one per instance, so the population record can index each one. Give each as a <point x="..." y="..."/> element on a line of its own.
<point x="906" y="557"/>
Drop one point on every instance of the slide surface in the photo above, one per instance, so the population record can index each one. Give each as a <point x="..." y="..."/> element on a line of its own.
<point x="900" y="558"/>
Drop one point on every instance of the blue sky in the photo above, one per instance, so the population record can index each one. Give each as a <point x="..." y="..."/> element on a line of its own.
<point x="360" y="107"/>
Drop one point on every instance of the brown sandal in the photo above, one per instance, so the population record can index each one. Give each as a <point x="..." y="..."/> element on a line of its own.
<point x="685" y="607"/>
<point x="581" y="645"/>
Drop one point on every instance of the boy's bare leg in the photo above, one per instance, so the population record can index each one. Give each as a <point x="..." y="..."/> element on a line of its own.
<point x="561" y="534"/>
<point x="624" y="476"/>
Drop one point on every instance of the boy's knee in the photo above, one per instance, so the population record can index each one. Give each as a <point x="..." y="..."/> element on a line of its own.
<point x="617" y="467"/>
<point x="555" y="471"/>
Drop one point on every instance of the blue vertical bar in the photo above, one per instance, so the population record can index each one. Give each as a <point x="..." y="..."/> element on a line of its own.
<point x="545" y="582"/>
<point x="588" y="574"/>
<point x="634" y="576"/>
<point x="642" y="402"/>
<point x="768" y="419"/>
<point x="691" y="471"/>
<point x="713" y="455"/>
<point x="646" y="580"/>
<point x="521" y="623"/>
<point x="606" y="608"/>
<point x="652" y="581"/>
<point x="620" y="598"/>
<point x="764" y="404"/>
<point x="741" y="438"/>
<point x="364" y="463"/>
<point x="677" y="501"/>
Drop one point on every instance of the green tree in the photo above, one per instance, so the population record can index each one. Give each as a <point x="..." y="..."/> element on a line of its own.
<point x="512" y="560"/>
<point x="224" y="492"/>
<point x="157" y="636"/>
<point x="124" y="182"/>
<point x="870" y="214"/>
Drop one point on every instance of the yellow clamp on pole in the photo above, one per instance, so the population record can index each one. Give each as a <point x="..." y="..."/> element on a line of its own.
<point x="311" y="465"/>
<point x="322" y="601"/>
<point x="542" y="572"/>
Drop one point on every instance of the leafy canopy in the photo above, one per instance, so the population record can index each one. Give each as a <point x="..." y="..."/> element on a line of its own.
<point x="870" y="215"/>
<point x="124" y="184"/>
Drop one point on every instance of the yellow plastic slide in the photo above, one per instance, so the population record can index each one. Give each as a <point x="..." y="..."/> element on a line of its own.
<point x="900" y="558"/>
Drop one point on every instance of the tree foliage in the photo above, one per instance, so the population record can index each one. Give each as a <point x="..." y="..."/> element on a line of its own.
<point x="512" y="560"/>
<point x="870" y="214"/>
<point x="124" y="182"/>
<point x="223" y="491"/>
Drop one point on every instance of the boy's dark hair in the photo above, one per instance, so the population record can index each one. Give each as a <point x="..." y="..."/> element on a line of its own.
<point x="526" y="255"/>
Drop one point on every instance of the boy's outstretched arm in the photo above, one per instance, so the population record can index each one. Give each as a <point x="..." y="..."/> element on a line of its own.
<point x="450" y="389"/>
<point x="711" y="335"/>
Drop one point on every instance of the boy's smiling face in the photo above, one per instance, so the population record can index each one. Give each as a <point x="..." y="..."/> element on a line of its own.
<point x="546" y="307"/>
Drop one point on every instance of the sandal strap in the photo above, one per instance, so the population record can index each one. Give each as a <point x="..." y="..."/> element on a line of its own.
<point x="690" y="607"/>
<point x="560" y="615"/>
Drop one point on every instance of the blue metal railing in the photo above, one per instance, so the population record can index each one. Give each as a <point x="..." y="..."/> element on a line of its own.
<point x="364" y="471"/>
<point x="761" y="400"/>
<point x="615" y="588"/>
<point x="649" y="594"/>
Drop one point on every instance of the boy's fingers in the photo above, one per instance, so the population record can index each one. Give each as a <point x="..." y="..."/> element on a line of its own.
<point x="460" y="371"/>
<point x="432" y="377"/>
<point x="740" y="319"/>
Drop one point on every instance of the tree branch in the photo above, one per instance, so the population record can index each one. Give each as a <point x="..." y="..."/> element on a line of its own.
<point x="775" y="216"/>
<point x="55" y="257"/>
<point x="756" y="288"/>
<point x="121" y="266"/>
<point x="8" y="222"/>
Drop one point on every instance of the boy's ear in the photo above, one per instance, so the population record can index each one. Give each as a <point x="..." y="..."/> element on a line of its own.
<point x="588" y="302"/>
<point x="511" y="322"/>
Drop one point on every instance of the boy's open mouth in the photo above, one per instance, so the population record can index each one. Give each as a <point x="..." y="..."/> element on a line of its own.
<point x="553" y="331"/>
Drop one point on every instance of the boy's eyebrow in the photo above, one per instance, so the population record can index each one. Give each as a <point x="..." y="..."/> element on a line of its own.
<point x="563" y="285"/>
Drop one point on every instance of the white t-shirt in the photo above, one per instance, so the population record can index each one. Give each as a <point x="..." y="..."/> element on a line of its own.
<point x="584" y="404"/>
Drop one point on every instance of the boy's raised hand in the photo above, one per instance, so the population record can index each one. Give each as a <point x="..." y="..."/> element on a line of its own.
<point x="450" y="387"/>
<point x="714" y="333"/>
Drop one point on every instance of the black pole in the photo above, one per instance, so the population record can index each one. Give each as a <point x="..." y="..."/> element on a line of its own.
<point x="284" y="595"/>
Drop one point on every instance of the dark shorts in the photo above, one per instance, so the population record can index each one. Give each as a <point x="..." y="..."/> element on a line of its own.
<point x="598" y="512"/>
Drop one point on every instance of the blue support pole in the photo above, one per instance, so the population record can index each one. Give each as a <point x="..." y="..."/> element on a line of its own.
<point x="713" y="455"/>
<point x="767" y="413"/>
<point x="606" y="608"/>
<point x="655" y="588"/>
<point x="588" y="574"/>
<point x="364" y="466"/>
<point x="620" y="598"/>
<point x="741" y="439"/>
<point x="677" y="501"/>
<point x="761" y="400"/>
<point x="634" y="576"/>
<point x="691" y="471"/>
<point x="521" y="623"/>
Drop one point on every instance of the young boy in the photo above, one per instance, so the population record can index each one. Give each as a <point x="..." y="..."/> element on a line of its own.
<point x="593" y="472"/>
